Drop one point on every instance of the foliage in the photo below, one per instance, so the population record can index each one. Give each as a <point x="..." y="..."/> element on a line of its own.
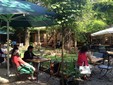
<point x="81" y="25"/>
<point x="87" y="17"/>
<point x="67" y="57"/>
<point x="104" y="11"/>
<point x="5" y="18"/>
<point x="97" y="16"/>
<point x="96" y="25"/>
<point x="73" y="73"/>
<point x="69" y="64"/>
<point x="67" y="10"/>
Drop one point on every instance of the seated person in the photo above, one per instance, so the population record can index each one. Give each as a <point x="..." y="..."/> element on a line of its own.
<point x="2" y="53"/>
<point x="11" y="52"/>
<point x="1" y="58"/>
<point x="4" y="49"/>
<point x="13" y="43"/>
<point x="29" y="54"/>
<point x="22" y="66"/>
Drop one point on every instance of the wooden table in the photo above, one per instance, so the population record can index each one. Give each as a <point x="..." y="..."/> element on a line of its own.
<point x="110" y="52"/>
<point x="38" y="61"/>
<point x="95" y="60"/>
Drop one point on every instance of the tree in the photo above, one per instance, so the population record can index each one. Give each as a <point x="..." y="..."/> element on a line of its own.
<point x="104" y="11"/>
<point x="69" y="11"/>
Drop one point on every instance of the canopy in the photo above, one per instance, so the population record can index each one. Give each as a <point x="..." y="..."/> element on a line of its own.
<point x="20" y="7"/>
<point x="29" y="21"/>
<point x="102" y="32"/>
<point x="4" y="32"/>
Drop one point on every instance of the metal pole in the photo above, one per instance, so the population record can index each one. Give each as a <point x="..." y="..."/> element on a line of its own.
<point x="8" y="72"/>
<point x="39" y="43"/>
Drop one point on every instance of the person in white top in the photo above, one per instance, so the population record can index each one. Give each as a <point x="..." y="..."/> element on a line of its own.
<point x="2" y="54"/>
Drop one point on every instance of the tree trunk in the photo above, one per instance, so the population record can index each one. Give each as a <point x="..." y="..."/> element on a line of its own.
<point x="62" y="56"/>
<point x="69" y="41"/>
<point x="75" y="45"/>
<point x="54" y="39"/>
<point x="27" y="37"/>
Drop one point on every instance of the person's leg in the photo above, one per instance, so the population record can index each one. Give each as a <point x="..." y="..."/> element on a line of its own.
<point x="23" y="70"/>
<point x="29" y="70"/>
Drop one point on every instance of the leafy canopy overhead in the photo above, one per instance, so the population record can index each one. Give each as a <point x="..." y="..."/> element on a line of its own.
<point x="104" y="11"/>
<point x="68" y="10"/>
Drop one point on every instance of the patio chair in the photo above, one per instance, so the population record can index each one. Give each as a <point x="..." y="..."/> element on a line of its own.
<point x="106" y="67"/>
<point x="102" y="49"/>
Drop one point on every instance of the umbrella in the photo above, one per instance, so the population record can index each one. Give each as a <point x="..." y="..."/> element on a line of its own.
<point x="29" y="21"/>
<point x="9" y="8"/>
<point x="102" y="32"/>
<point x="4" y="32"/>
<point x="20" y="7"/>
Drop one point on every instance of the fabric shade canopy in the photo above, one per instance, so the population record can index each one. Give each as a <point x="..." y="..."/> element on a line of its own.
<point x="20" y="7"/>
<point x="4" y="32"/>
<point x="29" y="21"/>
<point x="102" y="32"/>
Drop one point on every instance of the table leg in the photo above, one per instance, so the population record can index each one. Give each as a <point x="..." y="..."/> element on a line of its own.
<point x="38" y="67"/>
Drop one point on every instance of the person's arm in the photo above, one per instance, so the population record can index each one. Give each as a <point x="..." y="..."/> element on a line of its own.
<point x="21" y="61"/>
<point x="89" y="56"/>
<point x="33" y="54"/>
<point x="25" y="55"/>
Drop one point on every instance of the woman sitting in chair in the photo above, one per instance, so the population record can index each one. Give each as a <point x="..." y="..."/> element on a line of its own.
<point x="22" y="66"/>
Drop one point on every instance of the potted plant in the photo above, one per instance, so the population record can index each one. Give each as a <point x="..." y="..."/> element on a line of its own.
<point x="74" y="77"/>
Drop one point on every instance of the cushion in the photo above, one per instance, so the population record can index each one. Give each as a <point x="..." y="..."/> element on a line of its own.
<point x="105" y="67"/>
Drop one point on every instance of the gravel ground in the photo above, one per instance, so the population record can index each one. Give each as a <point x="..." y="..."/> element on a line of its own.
<point x="45" y="79"/>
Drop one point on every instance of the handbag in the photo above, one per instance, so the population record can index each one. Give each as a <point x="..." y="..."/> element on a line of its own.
<point x="84" y="69"/>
